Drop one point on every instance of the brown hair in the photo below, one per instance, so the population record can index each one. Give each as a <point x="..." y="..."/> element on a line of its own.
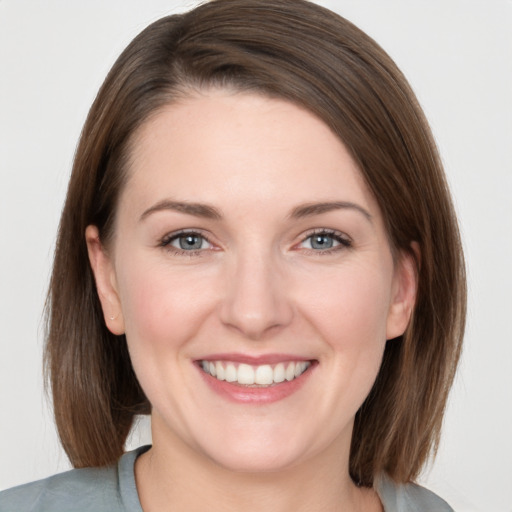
<point x="298" y="51"/>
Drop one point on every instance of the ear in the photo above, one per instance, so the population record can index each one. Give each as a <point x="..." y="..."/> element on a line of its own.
<point x="405" y="287"/>
<point x="104" y="275"/>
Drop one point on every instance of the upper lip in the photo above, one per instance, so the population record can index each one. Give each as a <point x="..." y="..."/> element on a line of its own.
<point x="254" y="360"/>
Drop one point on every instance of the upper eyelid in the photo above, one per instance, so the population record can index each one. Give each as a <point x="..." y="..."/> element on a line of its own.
<point x="170" y="237"/>
<point x="344" y="241"/>
<point x="187" y="231"/>
<point x="326" y="231"/>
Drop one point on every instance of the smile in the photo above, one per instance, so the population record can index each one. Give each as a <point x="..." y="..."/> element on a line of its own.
<point x="255" y="375"/>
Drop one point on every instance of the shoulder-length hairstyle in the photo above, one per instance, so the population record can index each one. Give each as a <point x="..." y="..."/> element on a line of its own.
<point x="303" y="53"/>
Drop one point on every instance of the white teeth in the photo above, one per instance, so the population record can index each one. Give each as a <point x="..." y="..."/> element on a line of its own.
<point x="290" y="371"/>
<point x="219" y="370"/>
<point x="299" y="368"/>
<point x="245" y="374"/>
<point x="231" y="373"/>
<point x="262" y="375"/>
<point x="279" y="373"/>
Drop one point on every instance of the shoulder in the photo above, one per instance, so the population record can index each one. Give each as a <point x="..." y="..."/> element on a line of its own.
<point x="408" y="497"/>
<point x="109" y="489"/>
<point x="78" y="489"/>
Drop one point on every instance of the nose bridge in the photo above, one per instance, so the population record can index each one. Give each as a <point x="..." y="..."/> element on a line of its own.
<point x="256" y="300"/>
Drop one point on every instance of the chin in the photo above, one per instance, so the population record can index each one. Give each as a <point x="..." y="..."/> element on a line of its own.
<point x="258" y="453"/>
<point x="257" y="462"/>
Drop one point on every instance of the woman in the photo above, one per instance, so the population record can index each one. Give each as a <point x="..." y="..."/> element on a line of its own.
<point x="258" y="248"/>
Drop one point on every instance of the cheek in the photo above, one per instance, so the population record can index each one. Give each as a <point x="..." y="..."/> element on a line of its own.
<point x="350" y="315"/>
<point x="351" y="306"/>
<point x="162" y="308"/>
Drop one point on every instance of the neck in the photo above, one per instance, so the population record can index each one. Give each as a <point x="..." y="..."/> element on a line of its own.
<point x="174" y="477"/>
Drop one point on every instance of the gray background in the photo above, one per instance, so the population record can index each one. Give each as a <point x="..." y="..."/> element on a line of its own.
<point x="457" y="56"/>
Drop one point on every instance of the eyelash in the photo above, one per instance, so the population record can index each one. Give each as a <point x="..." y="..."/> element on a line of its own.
<point x="337" y="236"/>
<point x="342" y="239"/>
<point x="167" y="240"/>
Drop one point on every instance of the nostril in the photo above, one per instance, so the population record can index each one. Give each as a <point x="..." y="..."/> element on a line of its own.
<point x="256" y="299"/>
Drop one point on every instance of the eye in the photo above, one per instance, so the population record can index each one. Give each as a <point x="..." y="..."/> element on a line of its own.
<point x="323" y="241"/>
<point x="186" y="241"/>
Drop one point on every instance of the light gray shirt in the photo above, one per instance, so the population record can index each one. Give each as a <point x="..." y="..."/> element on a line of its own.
<point x="113" y="489"/>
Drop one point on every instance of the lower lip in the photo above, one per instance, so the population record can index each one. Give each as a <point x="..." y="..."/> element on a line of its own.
<point x="256" y="395"/>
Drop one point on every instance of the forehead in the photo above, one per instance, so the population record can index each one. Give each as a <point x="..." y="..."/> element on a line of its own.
<point x="223" y="145"/>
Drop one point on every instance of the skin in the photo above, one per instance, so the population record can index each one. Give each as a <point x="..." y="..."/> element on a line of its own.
<point x="257" y="286"/>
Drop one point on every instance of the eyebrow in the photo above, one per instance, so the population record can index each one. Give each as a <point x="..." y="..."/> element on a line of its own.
<point x="195" y="209"/>
<point x="309" y="209"/>
<point x="209" y="212"/>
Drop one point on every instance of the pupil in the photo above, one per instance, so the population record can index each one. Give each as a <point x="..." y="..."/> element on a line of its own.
<point x="321" y="242"/>
<point x="188" y="242"/>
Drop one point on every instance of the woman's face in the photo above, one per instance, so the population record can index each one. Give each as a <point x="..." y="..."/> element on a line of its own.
<point x="251" y="273"/>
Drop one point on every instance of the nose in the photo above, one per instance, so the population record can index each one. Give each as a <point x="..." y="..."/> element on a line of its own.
<point x="256" y="301"/>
